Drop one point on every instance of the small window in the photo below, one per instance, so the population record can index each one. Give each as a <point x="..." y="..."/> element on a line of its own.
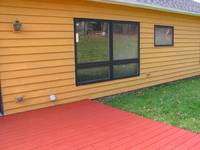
<point x="106" y="50"/>
<point x="163" y="35"/>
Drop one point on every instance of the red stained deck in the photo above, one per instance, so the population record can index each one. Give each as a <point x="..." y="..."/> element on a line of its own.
<point x="89" y="125"/>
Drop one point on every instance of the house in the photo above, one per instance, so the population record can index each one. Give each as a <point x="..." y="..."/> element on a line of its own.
<point x="56" y="52"/>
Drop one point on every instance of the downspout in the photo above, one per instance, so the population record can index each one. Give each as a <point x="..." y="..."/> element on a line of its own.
<point x="1" y="102"/>
<point x="199" y="47"/>
<point x="1" y="98"/>
<point x="199" y="51"/>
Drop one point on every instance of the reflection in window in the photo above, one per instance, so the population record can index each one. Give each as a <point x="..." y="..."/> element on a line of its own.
<point x="106" y="50"/>
<point x="125" y="70"/>
<point x="93" y="41"/>
<point x="164" y="36"/>
<point x="125" y="40"/>
<point x="93" y="74"/>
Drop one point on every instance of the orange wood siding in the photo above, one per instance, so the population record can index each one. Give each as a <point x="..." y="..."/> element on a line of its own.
<point x="39" y="61"/>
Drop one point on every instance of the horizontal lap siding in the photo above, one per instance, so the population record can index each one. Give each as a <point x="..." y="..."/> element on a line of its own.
<point x="39" y="61"/>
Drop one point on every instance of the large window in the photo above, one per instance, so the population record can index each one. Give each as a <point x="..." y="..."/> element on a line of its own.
<point x="163" y="35"/>
<point x="106" y="50"/>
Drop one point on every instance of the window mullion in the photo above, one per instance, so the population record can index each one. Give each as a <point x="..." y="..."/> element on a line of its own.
<point x="111" y="48"/>
<point x="125" y="61"/>
<point x="94" y="64"/>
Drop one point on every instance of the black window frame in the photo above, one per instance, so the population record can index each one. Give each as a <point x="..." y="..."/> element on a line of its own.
<point x="163" y="26"/>
<point x="111" y="62"/>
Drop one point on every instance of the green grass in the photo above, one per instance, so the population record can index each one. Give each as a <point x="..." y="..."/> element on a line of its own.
<point x="176" y="103"/>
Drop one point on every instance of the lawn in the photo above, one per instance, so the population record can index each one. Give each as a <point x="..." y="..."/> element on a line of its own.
<point x="176" y="103"/>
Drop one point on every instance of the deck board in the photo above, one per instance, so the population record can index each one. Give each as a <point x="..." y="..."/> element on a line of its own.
<point x="89" y="125"/>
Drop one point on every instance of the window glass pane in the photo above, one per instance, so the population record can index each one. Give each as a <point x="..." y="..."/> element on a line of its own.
<point x="163" y="36"/>
<point x="125" y="40"/>
<point x="92" y="41"/>
<point x="125" y="70"/>
<point x="93" y="74"/>
<point x="93" y="47"/>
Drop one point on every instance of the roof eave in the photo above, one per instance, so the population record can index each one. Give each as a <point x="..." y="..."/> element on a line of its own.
<point x="147" y="6"/>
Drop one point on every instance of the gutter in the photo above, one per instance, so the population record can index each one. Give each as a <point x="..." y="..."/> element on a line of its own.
<point x="147" y="6"/>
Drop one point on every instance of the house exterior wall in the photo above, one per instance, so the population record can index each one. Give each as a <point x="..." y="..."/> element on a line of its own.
<point x="39" y="61"/>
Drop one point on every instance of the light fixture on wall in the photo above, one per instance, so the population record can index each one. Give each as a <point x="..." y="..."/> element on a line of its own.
<point x="17" y="26"/>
